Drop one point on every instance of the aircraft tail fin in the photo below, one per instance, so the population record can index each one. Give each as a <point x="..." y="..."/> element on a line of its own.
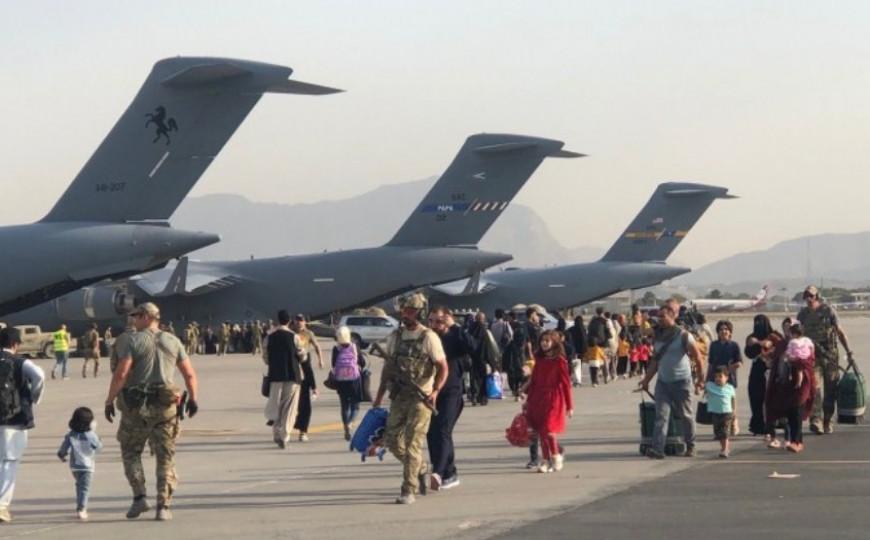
<point x="671" y="212"/>
<point x="185" y="112"/>
<point x="475" y="189"/>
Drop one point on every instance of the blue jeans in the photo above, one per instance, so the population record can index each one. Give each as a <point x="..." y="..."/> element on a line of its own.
<point x="60" y="359"/>
<point x="83" y="487"/>
<point x="349" y="409"/>
<point x="677" y="396"/>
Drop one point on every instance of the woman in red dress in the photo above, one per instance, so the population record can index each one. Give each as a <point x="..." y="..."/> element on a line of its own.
<point x="549" y="399"/>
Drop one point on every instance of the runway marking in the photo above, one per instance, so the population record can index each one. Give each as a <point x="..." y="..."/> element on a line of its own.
<point x="42" y="530"/>
<point x="798" y="462"/>
<point x="336" y="426"/>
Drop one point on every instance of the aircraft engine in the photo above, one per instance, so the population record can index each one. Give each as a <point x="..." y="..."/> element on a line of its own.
<point x="94" y="303"/>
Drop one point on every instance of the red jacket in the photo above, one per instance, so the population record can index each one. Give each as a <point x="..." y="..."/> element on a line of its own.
<point x="550" y="395"/>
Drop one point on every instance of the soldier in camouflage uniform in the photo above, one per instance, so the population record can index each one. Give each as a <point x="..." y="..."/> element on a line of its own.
<point x="143" y="390"/>
<point x="415" y="370"/>
<point x="223" y="338"/>
<point x="820" y="324"/>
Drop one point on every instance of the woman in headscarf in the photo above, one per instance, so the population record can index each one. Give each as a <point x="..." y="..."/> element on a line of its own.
<point x="789" y="392"/>
<point x="761" y="331"/>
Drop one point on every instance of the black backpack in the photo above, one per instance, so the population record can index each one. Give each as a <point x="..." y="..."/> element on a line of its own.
<point x="10" y="393"/>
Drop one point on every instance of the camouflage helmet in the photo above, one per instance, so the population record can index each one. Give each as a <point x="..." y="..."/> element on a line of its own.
<point x="414" y="301"/>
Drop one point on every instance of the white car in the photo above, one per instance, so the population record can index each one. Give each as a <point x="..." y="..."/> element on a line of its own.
<point x="366" y="329"/>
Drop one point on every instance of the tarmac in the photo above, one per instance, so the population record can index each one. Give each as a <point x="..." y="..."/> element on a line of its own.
<point x="235" y="483"/>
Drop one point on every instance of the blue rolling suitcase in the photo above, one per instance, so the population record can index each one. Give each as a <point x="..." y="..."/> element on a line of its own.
<point x="369" y="436"/>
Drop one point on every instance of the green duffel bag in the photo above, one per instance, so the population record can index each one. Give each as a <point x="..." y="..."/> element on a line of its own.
<point x="851" y="395"/>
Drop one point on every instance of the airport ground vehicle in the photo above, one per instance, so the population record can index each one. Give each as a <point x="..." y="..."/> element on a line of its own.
<point x="367" y="329"/>
<point x="37" y="343"/>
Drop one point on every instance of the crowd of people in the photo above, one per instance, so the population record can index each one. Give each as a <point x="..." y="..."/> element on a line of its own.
<point x="433" y="368"/>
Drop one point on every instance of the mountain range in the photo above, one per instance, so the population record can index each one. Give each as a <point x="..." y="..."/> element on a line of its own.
<point x="258" y="229"/>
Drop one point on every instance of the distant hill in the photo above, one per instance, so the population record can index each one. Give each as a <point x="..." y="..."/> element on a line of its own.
<point x="835" y="259"/>
<point x="262" y="230"/>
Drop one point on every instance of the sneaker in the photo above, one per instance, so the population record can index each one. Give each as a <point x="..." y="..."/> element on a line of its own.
<point x="815" y="428"/>
<point x="424" y="477"/>
<point x="406" y="498"/>
<point x="558" y="462"/>
<point x="595" y="385"/>
<point x="163" y="514"/>
<point x="774" y="443"/>
<point x="451" y="482"/>
<point x="303" y="437"/>
<point x="652" y="453"/>
<point x="545" y="467"/>
<point x="282" y="444"/>
<point x="140" y="504"/>
<point x="532" y="465"/>
<point x="435" y="482"/>
<point x="690" y="451"/>
<point x="5" y="516"/>
<point x="723" y="454"/>
<point x="82" y="514"/>
<point x="270" y="423"/>
<point x="829" y="428"/>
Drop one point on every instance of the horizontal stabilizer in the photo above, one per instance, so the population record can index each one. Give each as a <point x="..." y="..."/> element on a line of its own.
<point x="664" y="221"/>
<point x="185" y="279"/>
<point x="476" y="188"/>
<point x="181" y="118"/>
<point x="299" y="87"/>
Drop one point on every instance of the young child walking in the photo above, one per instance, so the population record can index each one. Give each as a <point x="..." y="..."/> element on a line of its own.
<point x="549" y="399"/>
<point x="720" y="403"/>
<point x="81" y="444"/>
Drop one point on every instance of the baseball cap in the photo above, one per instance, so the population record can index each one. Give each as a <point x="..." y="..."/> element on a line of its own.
<point x="811" y="291"/>
<point x="148" y="308"/>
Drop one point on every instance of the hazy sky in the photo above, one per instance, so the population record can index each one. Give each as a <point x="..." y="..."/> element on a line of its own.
<point x="771" y="99"/>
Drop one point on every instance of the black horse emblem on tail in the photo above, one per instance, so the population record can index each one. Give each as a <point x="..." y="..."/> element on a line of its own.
<point x="163" y="125"/>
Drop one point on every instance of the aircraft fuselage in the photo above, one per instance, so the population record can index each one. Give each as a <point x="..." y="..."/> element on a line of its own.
<point x="560" y="287"/>
<point x="45" y="260"/>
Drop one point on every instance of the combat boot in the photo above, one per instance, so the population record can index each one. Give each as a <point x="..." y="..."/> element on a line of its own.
<point x="406" y="498"/>
<point x="140" y="504"/>
<point x="163" y="514"/>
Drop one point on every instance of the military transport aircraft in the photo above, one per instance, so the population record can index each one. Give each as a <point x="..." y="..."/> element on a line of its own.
<point x="111" y="221"/>
<point x="635" y="261"/>
<point x="435" y="245"/>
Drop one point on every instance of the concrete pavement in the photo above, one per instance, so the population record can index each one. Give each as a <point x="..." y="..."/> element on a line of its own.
<point x="235" y="483"/>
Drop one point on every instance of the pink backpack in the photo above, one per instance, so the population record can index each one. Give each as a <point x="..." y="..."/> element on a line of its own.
<point x="346" y="364"/>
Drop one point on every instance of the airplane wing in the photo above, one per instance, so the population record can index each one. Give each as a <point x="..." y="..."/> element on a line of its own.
<point x="187" y="279"/>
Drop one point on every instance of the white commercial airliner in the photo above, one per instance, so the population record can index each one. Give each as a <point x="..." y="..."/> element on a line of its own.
<point x="730" y="304"/>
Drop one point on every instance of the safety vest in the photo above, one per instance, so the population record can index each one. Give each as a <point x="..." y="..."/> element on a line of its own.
<point x="61" y="341"/>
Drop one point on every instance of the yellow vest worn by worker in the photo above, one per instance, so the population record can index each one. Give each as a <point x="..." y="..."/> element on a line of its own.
<point x="61" y="341"/>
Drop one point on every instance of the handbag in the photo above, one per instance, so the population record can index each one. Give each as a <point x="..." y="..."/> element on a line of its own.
<point x="264" y="386"/>
<point x="703" y="415"/>
<point x="330" y="381"/>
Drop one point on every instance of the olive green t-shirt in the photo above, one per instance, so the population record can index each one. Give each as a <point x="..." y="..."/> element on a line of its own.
<point x="155" y="355"/>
